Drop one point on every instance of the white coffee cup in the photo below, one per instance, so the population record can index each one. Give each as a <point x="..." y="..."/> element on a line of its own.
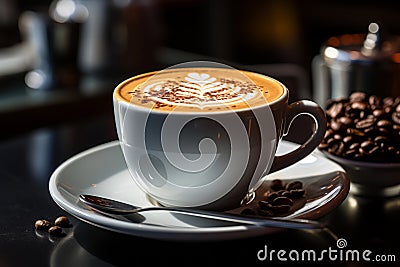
<point x="208" y="159"/>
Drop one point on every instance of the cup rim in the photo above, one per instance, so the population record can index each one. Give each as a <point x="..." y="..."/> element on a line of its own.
<point x="119" y="98"/>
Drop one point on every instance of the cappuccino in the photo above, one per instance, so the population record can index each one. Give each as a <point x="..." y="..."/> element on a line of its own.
<point x="200" y="90"/>
<point x="204" y="137"/>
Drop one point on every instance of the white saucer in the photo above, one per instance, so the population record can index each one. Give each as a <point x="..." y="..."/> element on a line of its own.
<point x="102" y="171"/>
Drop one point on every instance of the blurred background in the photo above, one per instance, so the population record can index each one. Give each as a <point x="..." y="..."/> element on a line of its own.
<point x="60" y="60"/>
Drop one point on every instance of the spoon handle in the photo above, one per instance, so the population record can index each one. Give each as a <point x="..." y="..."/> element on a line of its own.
<point x="267" y="222"/>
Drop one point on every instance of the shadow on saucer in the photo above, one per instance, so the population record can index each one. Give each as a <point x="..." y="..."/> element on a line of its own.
<point x="90" y="246"/>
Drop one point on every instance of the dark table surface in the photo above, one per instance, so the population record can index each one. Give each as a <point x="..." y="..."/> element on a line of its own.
<point x="28" y="160"/>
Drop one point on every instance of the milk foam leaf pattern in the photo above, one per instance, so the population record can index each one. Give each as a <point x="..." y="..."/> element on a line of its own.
<point x="199" y="89"/>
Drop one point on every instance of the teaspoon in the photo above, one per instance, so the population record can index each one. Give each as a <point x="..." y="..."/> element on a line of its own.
<point x="111" y="206"/>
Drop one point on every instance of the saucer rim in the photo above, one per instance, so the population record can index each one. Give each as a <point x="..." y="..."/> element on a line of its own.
<point x="176" y="233"/>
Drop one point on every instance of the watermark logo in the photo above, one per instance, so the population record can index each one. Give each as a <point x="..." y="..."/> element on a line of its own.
<point x="332" y="254"/>
<point x="341" y="243"/>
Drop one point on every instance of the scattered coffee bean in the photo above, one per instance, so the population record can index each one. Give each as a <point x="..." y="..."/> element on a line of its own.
<point x="280" y="192"/>
<point x="62" y="221"/>
<point x="287" y="194"/>
<point x="264" y="204"/>
<point x="294" y="185"/>
<point x="279" y="201"/>
<point x="277" y="184"/>
<point x="363" y="127"/>
<point x="282" y="201"/>
<point x="42" y="225"/>
<point x="55" y="231"/>
<point x="272" y="196"/>
<point x="297" y="193"/>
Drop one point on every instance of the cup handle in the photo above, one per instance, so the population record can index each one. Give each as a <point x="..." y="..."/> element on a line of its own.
<point x="295" y="109"/>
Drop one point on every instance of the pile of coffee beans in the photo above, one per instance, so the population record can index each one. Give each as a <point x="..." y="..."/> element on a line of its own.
<point x="279" y="200"/>
<point x="55" y="229"/>
<point x="363" y="127"/>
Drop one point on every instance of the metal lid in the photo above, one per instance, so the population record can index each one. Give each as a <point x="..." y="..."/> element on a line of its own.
<point x="362" y="48"/>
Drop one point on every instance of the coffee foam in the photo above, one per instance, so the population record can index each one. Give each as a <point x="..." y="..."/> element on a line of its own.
<point x="200" y="89"/>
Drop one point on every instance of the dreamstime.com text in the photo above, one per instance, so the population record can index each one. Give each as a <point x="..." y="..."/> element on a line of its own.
<point x="338" y="253"/>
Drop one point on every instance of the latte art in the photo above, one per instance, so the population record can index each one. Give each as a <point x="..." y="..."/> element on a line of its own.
<point x="201" y="89"/>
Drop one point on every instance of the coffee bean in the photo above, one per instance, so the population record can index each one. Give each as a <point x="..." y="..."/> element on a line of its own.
<point x="352" y="113"/>
<point x="272" y="196"/>
<point x="280" y="192"/>
<point x="358" y="96"/>
<point x="335" y="146"/>
<point x="335" y="110"/>
<point x="350" y="153"/>
<point x="388" y="109"/>
<point x="396" y="117"/>
<point x="384" y="124"/>
<point x="359" y="105"/>
<point x="287" y="194"/>
<point x="348" y="139"/>
<point x="374" y="150"/>
<point x="339" y="148"/>
<point x="383" y="131"/>
<point x="378" y="113"/>
<point x="355" y="132"/>
<point x="366" y="123"/>
<point x="329" y="133"/>
<point x="397" y="109"/>
<point x="337" y="137"/>
<point x="277" y="184"/>
<point x="380" y="139"/>
<point x="332" y="141"/>
<point x="336" y="126"/>
<point x="294" y="185"/>
<point x="62" y="221"/>
<point x="367" y="144"/>
<point x="323" y="146"/>
<point x="374" y="100"/>
<point x="55" y="231"/>
<point x="282" y="201"/>
<point x="264" y="204"/>
<point x="354" y="146"/>
<point x="370" y="131"/>
<point x="345" y="121"/>
<point x="297" y="193"/>
<point x="275" y="203"/>
<point x="42" y="225"/>
<point x="388" y="101"/>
